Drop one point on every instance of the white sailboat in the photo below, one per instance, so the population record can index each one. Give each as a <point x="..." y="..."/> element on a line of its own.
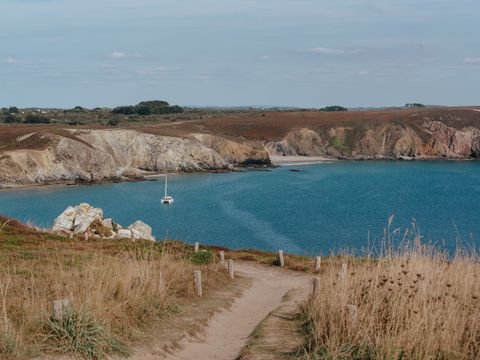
<point x="166" y="199"/>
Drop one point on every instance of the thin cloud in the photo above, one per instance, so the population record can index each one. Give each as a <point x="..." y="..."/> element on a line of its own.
<point x="166" y="69"/>
<point x="265" y="57"/>
<point x="329" y="51"/>
<point x="123" y="55"/>
<point x="470" y="60"/>
<point x="15" y="61"/>
<point x="108" y="68"/>
<point x="363" y="73"/>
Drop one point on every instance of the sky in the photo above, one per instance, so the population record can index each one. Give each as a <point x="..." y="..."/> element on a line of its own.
<point x="306" y="53"/>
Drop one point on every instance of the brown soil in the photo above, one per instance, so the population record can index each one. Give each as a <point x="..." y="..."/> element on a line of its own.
<point x="253" y="125"/>
<point x="279" y="336"/>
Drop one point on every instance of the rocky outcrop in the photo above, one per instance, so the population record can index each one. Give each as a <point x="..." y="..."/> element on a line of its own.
<point x="431" y="140"/>
<point x="450" y="142"/>
<point x="96" y="155"/>
<point x="77" y="219"/>
<point x="301" y="142"/>
<point x="235" y="152"/>
<point x="140" y="230"/>
<point x="85" y="219"/>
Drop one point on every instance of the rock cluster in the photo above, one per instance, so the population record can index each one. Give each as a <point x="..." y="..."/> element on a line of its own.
<point x="85" y="219"/>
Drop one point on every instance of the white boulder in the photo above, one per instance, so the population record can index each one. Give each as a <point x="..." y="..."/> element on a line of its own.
<point x="77" y="219"/>
<point x="108" y="223"/>
<point x="84" y="218"/>
<point x="64" y="222"/>
<point x="124" y="234"/>
<point x="140" y="230"/>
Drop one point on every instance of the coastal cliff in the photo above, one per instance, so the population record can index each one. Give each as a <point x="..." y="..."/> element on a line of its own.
<point x="65" y="154"/>
<point x="431" y="140"/>
<point x="96" y="155"/>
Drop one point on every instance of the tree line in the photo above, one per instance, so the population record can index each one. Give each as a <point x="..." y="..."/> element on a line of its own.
<point x="145" y="108"/>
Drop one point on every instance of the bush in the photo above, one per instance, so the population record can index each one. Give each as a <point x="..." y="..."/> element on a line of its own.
<point x="145" y="108"/>
<point x="81" y="335"/>
<point x="113" y="122"/>
<point x="202" y="257"/>
<point x="36" y="119"/>
<point x="334" y="108"/>
<point x="10" y="119"/>
<point x="414" y="105"/>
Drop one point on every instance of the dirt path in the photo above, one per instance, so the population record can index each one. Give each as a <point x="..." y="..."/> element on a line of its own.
<point x="228" y="331"/>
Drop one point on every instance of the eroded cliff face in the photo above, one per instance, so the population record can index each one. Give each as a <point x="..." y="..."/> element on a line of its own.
<point x="39" y="155"/>
<point x="429" y="140"/>
<point x="235" y="152"/>
<point x="95" y="155"/>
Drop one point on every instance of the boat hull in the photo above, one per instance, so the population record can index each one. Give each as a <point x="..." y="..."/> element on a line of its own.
<point x="167" y="200"/>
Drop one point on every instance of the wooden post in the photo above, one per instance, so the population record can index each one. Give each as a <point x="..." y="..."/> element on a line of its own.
<point x="318" y="262"/>
<point x="316" y="287"/>
<point x="197" y="277"/>
<point x="85" y="236"/>
<point x="60" y="308"/>
<point x="281" y="258"/>
<point x="352" y="311"/>
<point x="197" y="246"/>
<point x="71" y="235"/>
<point x="222" y="258"/>
<point x="343" y="272"/>
<point x="231" y="271"/>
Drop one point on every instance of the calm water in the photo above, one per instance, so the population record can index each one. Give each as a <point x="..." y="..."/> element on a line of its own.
<point x="323" y="208"/>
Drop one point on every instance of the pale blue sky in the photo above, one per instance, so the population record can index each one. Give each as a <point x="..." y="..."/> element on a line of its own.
<point x="239" y="52"/>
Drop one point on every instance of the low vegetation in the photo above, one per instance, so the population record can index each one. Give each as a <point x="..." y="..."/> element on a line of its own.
<point x="144" y="108"/>
<point x="416" y="304"/>
<point x="145" y="111"/>
<point x="119" y="290"/>
<point x="413" y="303"/>
<point x="333" y="108"/>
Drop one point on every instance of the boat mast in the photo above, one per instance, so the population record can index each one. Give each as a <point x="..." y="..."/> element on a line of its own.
<point x="166" y="181"/>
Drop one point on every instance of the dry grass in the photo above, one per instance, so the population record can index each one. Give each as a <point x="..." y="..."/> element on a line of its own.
<point x="119" y="289"/>
<point x="292" y="261"/>
<point x="416" y="304"/>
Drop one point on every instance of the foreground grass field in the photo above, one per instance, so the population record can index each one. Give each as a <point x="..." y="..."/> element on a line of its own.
<point x="119" y="290"/>
<point x="418" y="304"/>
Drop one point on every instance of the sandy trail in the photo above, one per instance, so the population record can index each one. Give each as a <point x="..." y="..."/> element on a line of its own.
<point x="228" y="331"/>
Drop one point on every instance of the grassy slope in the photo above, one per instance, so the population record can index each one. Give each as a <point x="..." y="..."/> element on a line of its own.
<point x="119" y="291"/>
<point x="416" y="304"/>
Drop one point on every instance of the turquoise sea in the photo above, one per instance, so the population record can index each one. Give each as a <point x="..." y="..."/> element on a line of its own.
<point x="324" y="208"/>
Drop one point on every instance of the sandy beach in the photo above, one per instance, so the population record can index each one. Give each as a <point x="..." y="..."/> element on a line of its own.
<point x="300" y="160"/>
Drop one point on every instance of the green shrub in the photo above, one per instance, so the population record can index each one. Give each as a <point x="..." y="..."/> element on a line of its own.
<point x="82" y="336"/>
<point x="36" y="119"/>
<point x="8" y="343"/>
<point x="10" y="119"/>
<point x="145" y="108"/>
<point x="333" y="108"/>
<point x="113" y="122"/>
<point x="201" y="257"/>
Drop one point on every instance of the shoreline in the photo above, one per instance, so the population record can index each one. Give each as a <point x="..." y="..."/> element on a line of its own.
<point x="300" y="160"/>
<point x="276" y="161"/>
